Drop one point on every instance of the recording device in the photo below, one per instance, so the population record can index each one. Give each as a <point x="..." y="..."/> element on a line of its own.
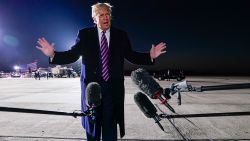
<point x="93" y="98"/>
<point x="147" y="107"/>
<point x="148" y="85"/>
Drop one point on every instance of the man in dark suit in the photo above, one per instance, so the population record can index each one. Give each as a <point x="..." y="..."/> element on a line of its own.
<point x="103" y="49"/>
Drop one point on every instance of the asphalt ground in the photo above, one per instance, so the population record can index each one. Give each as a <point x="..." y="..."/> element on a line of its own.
<point x="63" y="95"/>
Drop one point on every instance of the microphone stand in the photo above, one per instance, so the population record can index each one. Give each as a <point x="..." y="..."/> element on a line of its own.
<point x="34" y="111"/>
<point x="184" y="87"/>
<point x="222" y="87"/>
<point x="247" y="113"/>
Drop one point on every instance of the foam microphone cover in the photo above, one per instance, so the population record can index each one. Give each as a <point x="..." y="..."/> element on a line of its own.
<point x="145" y="105"/>
<point x="93" y="94"/>
<point x="145" y="82"/>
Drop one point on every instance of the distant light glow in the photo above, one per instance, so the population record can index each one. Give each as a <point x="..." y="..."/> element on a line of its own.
<point x="16" y="67"/>
<point x="10" y="40"/>
<point x="1" y="33"/>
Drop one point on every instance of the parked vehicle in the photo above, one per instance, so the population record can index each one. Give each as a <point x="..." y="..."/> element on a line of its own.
<point x="15" y="75"/>
<point x="169" y="74"/>
<point x="63" y="72"/>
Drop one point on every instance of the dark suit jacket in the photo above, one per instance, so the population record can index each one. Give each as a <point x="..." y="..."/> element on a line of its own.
<point x="87" y="46"/>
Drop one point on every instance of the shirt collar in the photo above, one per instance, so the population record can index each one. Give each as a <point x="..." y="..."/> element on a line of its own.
<point x="100" y="30"/>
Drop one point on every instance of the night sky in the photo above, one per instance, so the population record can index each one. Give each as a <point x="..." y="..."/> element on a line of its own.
<point x="202" y="36"/>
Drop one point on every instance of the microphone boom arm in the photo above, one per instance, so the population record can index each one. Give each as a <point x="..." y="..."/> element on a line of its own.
<point x="34" y="111"/>
<point x="184" y="87"/>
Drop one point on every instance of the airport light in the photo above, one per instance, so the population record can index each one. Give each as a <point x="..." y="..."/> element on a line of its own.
<point x="16" y="67"/>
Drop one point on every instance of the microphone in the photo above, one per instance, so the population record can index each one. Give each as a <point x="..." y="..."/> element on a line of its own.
<point x="93" y="97"/>
<point x="147" y="108"/>
<point x="148" y="85"/>
<point x="93" y="94"/>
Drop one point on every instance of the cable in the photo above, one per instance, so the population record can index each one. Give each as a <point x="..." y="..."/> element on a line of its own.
<point x="172" y="123"/>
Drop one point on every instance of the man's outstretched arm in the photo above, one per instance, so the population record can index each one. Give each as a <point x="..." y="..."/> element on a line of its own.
<point x="47" y="48"/>
<point x="157" y="50"/>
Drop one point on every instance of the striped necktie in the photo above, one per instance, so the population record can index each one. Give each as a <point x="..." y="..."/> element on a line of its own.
<point x="104" y="57"/>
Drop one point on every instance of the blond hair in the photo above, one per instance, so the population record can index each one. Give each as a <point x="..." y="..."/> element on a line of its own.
<point x="98" y="6"/>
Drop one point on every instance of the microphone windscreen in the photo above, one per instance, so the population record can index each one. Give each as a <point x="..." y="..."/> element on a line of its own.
<point x="93" y="94"/>
<point x="145" y="82"/>
<point x="145" y="105"/>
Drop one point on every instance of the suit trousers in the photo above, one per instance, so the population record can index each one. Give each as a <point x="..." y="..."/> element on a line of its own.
<point x="106" y="123"/>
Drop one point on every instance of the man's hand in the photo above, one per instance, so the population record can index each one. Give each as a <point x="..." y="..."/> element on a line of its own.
<point x="157" y="50"/>
<point x="46" y="47"/>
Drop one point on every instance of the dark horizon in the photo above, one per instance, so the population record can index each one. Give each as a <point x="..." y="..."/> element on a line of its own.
<point x="203" y="37"/>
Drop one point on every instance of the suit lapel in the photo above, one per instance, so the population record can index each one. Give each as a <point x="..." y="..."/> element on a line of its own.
<point x="93" y="50"/>
<point x="95" y="47"/>
<point x="96" y="39"/>
<point x="111" y="43"/>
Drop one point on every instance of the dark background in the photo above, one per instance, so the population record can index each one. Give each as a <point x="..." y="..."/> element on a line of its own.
<point x="203" y="37"/>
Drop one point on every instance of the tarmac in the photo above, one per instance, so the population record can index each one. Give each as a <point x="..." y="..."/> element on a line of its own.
<point x="63" y="95"/>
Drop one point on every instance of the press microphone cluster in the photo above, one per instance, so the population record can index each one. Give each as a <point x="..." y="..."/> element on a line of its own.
<point x="149" y="86"/>
<point x="147" y="107"/>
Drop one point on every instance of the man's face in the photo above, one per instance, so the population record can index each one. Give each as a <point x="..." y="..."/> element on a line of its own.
<point x="103" y="19"/>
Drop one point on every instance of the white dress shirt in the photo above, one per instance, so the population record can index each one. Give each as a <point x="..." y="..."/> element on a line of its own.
<point x="107" y="34"/>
